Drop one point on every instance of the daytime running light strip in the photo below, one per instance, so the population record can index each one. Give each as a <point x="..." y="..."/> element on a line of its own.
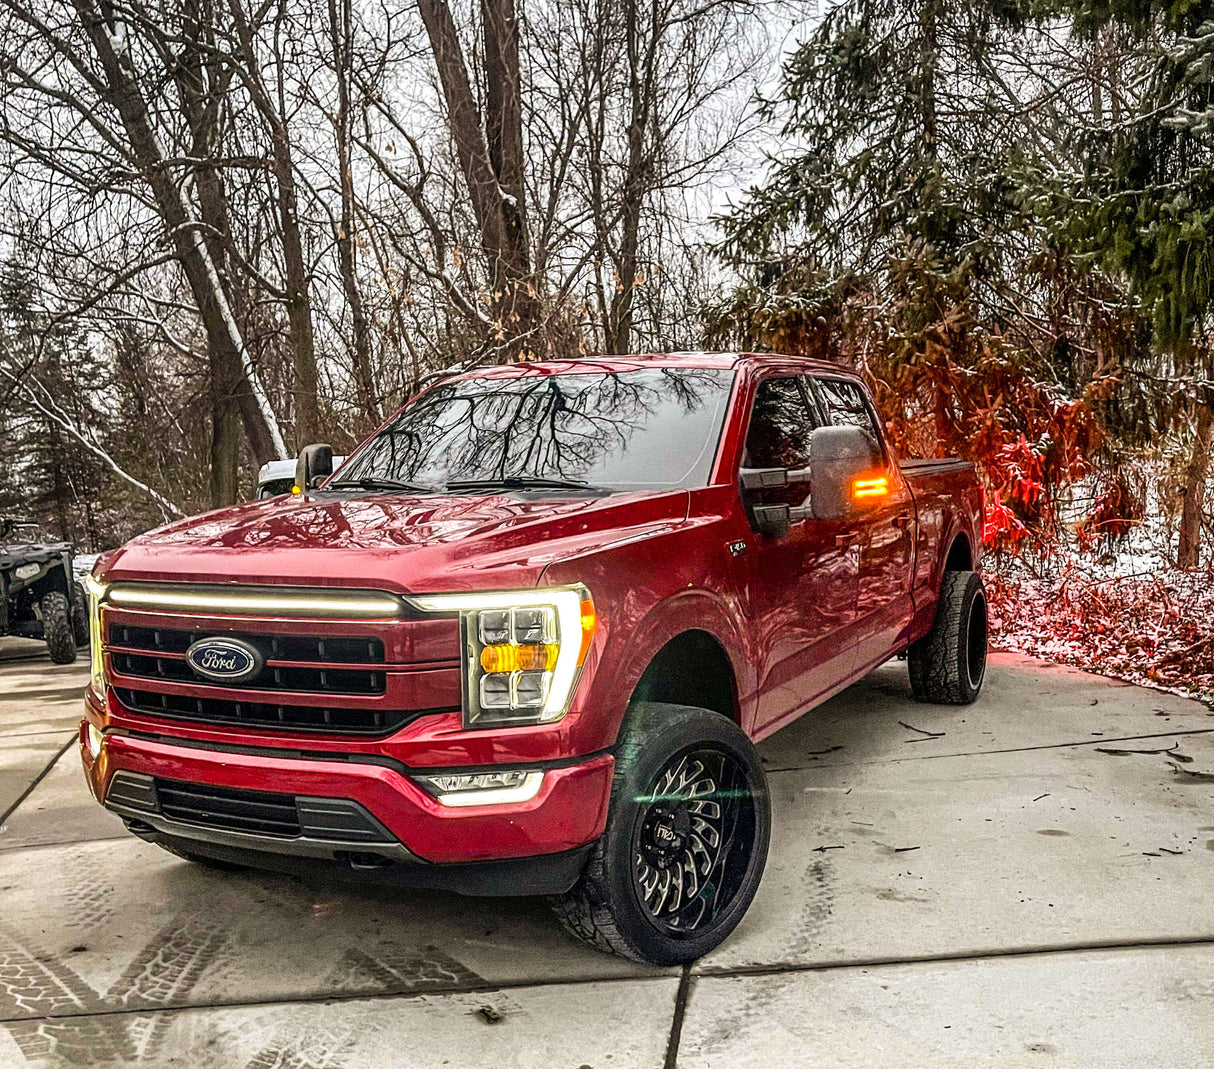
<point x="524" y="792"/>
<point x="288" y="603"/>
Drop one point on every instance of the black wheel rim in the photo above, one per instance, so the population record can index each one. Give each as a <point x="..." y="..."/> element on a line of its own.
<point x="693" y="841"/>
<point x="975" y="642"/>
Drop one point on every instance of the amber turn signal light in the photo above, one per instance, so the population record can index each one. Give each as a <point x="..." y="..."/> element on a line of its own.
<point x="590" y="624"/>
<point x="508" y="658"/>
<point x="866" y="489"/>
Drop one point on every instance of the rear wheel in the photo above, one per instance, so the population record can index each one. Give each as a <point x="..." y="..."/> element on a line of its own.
<point x="685" y="843"/>
<point x="948" y="664"/>
<point x="57" y="627"/>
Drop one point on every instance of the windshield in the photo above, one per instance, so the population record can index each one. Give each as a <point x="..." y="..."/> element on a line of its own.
<point x="628" y="430"/>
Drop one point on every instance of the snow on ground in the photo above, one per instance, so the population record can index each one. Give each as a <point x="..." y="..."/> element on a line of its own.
<point x="1131" y="615"/>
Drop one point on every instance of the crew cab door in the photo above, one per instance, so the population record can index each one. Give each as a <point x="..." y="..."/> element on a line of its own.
<point x="801" y="585"/>
<point x="884" y="606"/>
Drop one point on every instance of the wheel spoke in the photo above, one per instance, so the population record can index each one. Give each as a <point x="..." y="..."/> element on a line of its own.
<point x="687" y="869"/>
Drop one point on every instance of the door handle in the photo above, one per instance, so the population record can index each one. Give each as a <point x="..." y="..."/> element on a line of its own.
<point x="903" y="520"/>
<point x="849" y="539"/>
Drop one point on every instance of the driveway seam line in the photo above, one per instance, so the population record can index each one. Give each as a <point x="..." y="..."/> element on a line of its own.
<point x="676" y="1025"/>
<point x="711" y="973"/>
<point x="485" y="988"/>
<point x="38" y="779"/>
<point x="987" y="753"/>
<point x="734" y="972"/>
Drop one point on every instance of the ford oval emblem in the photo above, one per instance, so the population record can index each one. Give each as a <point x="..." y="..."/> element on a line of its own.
<point x="225" y="660"/>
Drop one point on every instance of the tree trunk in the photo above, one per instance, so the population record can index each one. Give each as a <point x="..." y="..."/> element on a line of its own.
<point x="497" y="198"/>
<point x="298" y="281"/>
<point x="223" y="338"/>
<point x="641" y="49"/>
<point x="341" y="37"/>
<point x="201" y="80"/>
<point x="1188" y="554"/>
<point x="225" y="444"/>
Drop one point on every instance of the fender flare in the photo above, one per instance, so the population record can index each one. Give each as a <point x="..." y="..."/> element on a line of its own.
<point x="690" y="610"/>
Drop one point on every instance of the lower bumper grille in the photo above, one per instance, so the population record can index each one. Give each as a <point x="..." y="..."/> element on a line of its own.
<point x="261" y="813"/>
<point x="218" y="807"/>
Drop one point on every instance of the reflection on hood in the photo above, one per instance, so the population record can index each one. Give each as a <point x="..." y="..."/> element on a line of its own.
<point x="367" y="522"/>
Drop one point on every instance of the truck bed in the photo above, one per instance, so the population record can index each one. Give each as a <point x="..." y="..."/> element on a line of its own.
<point x="934" y="466"/>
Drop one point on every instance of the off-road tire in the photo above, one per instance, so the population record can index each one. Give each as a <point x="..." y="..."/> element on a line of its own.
<point x="57" y="627"/>
<point x="605" y="907"/>
<point x="80" y="616"/>
<point x="200" y="859"/>
<point x="948" y="664"/>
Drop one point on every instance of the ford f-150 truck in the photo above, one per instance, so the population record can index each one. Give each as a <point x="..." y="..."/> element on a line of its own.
<point x="524" y="639"/>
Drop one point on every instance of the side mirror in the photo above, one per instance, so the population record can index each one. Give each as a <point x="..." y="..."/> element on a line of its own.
<point x="840" y="455"/>
<point x="314" y="464"/>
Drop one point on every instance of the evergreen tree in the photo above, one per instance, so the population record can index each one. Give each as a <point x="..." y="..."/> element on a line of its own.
<point x="891" y="234"/>
<point x="898" y="152"/>
<point x="1142" y="206"/>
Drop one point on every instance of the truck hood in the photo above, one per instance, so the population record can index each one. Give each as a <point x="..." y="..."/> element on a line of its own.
<point x="427" y="543"/>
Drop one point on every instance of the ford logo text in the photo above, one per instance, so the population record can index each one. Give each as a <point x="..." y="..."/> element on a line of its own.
<point x="225" y="660"/>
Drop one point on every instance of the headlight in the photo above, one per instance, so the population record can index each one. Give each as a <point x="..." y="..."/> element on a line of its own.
<point x="95" y="591"/>
<point x="523" y="652"/>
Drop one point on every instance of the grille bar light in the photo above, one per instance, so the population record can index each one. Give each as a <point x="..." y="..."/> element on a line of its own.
<point x="255" y="601"/>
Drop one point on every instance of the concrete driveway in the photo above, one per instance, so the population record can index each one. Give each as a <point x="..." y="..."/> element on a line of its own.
<point x="1028" y="881"/>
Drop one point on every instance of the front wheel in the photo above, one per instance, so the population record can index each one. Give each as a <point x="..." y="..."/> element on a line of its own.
<point x="685" y="843"/>
<point x="57" y="627"/>
<point x="948" y="664"/>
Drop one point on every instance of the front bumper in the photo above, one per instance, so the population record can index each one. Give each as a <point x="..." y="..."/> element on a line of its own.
<point x="568" y="813"/>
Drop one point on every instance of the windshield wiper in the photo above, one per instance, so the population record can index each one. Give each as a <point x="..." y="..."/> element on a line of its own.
<point x="522" y="482"/>
<point x="370" y="482"/>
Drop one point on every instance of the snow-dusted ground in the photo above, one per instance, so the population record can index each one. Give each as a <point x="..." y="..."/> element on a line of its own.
<point x="1125" y="612"/>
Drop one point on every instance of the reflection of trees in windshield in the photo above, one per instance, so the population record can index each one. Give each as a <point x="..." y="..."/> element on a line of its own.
<point x="627" y="430"/>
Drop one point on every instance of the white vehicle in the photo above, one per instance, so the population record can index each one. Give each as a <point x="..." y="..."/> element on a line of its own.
<point x="278" y="477"/>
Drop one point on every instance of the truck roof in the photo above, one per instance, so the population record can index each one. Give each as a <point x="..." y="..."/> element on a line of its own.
<point x="609" y="363"/>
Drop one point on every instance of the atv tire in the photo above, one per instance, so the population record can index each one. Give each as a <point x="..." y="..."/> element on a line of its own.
<point x="57" y="627"/>
<point x="80" y="616"/>
<point x="948" y="664"/>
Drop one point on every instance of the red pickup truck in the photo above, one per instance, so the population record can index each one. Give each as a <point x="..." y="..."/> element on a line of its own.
<point x="523" y="640"/>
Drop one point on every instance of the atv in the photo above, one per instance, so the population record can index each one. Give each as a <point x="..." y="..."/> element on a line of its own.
<point x="39" y="597"/>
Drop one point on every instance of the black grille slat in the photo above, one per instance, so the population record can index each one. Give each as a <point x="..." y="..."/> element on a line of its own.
<point x="328" y="650"/>
<point x="300" y="680"/>
<point x="204" y="800"/>
<point x="302" y="718"/>
<point x="257" y="812"/>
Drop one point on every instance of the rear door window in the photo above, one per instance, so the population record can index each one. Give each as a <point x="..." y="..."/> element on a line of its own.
<point x="846" y="406"/>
